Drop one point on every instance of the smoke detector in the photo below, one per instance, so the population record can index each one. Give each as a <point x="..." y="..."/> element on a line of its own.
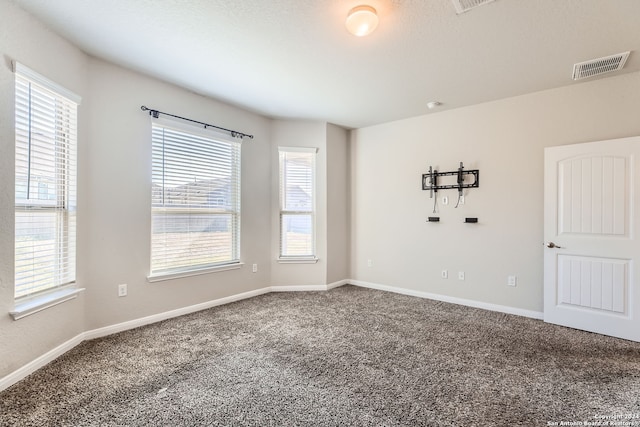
<point x="466" y="5"/>
<point x="595" y="67"/>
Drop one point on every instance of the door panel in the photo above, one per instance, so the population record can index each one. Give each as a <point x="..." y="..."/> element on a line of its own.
<point x="592" y="195"/>
<point x="591" y="214"/>
<point x="593" y="283"/>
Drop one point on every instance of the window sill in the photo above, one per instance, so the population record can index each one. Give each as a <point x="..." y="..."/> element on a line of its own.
<point x="177" y="275"/>
<point x="42" y="302"/>
<point x="298" y="260"/>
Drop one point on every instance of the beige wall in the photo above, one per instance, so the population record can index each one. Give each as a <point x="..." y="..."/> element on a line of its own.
<point x="332" y="203"/>
<point x="114" y="176"/>
<point x="119" y="160"/>
<point x="114" y="188"/>
<point x="505" y="141"/>
<point x="384" y="221"/>
<point x="337" y="204"/>
<point x="298" y="133"/>
<point x="25" y="40"/>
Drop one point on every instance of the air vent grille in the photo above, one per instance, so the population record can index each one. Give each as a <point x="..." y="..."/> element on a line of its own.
<point x="595" y="67"/>
<point x="466" y="5"/>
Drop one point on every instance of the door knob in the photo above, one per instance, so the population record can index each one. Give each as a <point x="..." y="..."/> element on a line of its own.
<point x="553" y="245"/>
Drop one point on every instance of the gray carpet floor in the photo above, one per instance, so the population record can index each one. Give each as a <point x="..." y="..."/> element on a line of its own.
<point x="347" y="357"/>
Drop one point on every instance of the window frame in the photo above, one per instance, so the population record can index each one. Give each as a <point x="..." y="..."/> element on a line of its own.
<point x="235" y="210"/>
<point x="60" y="151"/>
<point x="306" y="258"/>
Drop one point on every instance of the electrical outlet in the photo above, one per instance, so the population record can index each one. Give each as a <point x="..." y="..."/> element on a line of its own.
<point x="460" y="275"/>
<point x="122" y="290"/>
<point x="369" y="263"/>
<point x="254" y="268"/>
<point x="512" y="281"/>
<point x="444" y="274"/>
<point x="461" y="202"/>
<point x="445" y="200"/>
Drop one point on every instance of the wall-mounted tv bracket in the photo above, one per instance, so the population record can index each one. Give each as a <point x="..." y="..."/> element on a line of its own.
<point x="432" y="177"/>
<point x="430" y="181"/>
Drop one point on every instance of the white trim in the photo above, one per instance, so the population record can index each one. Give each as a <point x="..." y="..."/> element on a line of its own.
<point x="38" y="303"/>
<point x="298" y="260"/>
<point x="159" y="277"/>
<point x="298" y="288"/>
<point x="39" y="362"/>
<point x="337" y="284"/>
<point x="298" y="149"/>
<point x="31" y="367"/>
<point x="41" y="80"/>
<point x="305" y="288"/>
<point x="282" y="191"/>
<point x="148" y="320"/>
<point x="538" y="315"/>
<point x="181" y="125"/>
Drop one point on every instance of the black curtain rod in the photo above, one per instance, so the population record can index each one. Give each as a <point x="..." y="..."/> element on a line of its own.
<point x="234" y="133"/>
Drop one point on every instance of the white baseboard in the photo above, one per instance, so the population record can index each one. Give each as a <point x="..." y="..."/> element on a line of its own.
<point x="38" y="363"/>
<point x="124" y="326"/>
<point x="34" y="365"/>
<point x="298" y="288"/>
<point x="337" y="284"/>
<point x="51" y="355"/>
<point x="454" y="300"/>
<point x="305" y="288"/>
<point x="29" y="368"/>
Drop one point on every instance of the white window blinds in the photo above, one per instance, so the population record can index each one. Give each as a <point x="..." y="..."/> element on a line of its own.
<point x="45" y="184"/>
<point x="297" y="202"/>
<point x="195" y="199"/>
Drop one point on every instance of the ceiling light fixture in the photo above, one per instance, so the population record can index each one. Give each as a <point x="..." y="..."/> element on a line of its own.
<point x="362" y="20"/>
<point x="433" y="104"/>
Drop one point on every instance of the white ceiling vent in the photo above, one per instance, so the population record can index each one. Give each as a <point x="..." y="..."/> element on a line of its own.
<point x="595" y="67"/>
<point x="466" y="5"/>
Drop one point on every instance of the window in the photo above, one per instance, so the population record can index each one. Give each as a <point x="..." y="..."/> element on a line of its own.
<point x="195" y="212"/>
<point x="297" y="203"/>
<point x="45" y="184"/>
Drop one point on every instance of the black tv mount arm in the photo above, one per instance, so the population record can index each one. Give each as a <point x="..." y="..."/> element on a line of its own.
<point x="433" y="181"/>
<point x="430" y="180"/>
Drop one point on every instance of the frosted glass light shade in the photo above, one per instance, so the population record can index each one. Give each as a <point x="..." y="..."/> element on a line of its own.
<point x="362" y="20"/>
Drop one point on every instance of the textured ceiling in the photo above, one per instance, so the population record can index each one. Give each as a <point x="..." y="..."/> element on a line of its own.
<point x="295" y="59"/>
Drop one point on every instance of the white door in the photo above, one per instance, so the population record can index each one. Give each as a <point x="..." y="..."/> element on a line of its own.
<point x="591" y="220"/>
